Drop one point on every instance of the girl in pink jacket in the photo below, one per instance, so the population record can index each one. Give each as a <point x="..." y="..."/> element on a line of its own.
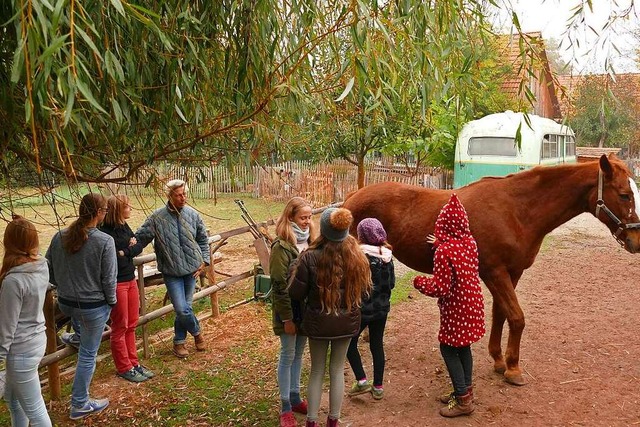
<point x="456" y="284"/>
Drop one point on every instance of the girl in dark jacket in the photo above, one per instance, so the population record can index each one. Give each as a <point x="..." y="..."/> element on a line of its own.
<point x="373" y="241"/>
<point x="125" y="314"/>
<point x="294" y="231"/>
<point x="332" y="277"/>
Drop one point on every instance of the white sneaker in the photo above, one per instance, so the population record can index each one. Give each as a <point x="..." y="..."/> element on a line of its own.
<point x="93" y="406"/>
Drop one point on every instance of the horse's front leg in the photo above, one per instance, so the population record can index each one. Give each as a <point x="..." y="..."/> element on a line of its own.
<point x="506" y="306"/>
<point x="495" y="338"/>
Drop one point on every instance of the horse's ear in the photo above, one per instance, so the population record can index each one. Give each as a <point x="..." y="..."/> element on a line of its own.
<point x="605" y="166"/>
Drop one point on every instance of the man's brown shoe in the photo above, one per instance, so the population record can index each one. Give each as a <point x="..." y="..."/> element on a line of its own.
<point x="180" y="351"/>
<point x="200" y="346"/>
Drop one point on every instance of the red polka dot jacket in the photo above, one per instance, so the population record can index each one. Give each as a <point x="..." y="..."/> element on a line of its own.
<point x="455" y="280"/>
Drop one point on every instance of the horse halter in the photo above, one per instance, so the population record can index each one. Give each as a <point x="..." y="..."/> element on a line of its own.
<point x="601" y="205"/>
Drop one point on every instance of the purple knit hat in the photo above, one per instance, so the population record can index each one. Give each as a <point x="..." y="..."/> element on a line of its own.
<point x="371" y="232"/>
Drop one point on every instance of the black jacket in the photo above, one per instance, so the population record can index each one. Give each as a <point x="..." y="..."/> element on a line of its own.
<point x="318" y="324"/>
<point x="377" y="306"/>
<point x="122" y="235"/>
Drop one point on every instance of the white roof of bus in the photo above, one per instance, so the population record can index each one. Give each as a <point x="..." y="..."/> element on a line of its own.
<point x="506" y="124"/>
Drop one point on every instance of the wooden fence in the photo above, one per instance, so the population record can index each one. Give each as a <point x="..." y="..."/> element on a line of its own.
<point x="321" y="184"/>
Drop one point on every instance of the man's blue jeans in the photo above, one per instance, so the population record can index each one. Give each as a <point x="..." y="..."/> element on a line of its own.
<point x="180" y="291"/>
<point x="89" y="324"/>
<point x="290" y="364"/>
<point x="23" y="394"/>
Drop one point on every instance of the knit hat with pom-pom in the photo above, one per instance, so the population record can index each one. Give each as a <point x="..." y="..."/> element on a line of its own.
<point x="335" y="223"/>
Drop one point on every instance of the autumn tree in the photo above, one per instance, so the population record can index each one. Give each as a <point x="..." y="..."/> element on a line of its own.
<point x="605" y="112"/>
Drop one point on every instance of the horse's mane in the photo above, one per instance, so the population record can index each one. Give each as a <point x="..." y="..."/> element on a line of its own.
<point x="558" y="170"/>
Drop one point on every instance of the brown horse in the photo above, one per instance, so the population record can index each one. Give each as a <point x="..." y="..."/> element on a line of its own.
<point x="509" y="218"/>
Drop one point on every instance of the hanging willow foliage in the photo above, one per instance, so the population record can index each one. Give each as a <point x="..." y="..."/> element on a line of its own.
<point x="89" y="86"/>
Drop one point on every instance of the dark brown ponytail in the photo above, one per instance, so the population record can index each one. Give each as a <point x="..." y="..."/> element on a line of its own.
<point x="74" y="237"/>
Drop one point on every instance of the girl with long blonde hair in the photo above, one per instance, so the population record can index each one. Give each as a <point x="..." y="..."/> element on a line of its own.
<point x="294" y="230"/>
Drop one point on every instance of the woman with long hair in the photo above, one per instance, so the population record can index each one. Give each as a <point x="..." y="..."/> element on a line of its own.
<point x="294" y="230"/>
<point x="82" y="264"/>
<point x="24" y="279"/>
<point x="332" y="276"/>
<point x="125" y="314"/>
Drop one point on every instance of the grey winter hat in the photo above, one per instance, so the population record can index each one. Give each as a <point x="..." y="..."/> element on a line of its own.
<point x="335" y="223"/>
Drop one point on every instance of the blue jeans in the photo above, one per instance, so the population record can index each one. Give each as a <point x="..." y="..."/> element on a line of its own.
<point x="180" y="291"/>
<point x="290" y="365"/>
<point x="22" y="393"/>
<point x="89" y="324"/>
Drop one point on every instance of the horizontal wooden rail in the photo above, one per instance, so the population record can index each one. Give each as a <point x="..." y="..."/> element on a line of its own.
<point x="68" y="351"/>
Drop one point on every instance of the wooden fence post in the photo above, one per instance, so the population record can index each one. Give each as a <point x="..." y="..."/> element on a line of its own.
<point x="211" y="277"/>
<point x="143" y="311"/>
<point x="52" y="345"/>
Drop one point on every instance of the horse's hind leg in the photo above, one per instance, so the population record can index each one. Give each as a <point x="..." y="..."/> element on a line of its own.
<point x="495" y="339"/>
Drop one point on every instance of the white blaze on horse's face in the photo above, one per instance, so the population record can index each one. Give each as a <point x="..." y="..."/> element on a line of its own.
<point x="636" y="196"/>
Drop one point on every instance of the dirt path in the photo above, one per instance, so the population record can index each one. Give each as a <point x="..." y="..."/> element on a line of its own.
<point x="580" y="347"/>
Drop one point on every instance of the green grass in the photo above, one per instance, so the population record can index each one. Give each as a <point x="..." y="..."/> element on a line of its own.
<point x="230" y="393"/>
<point x="404" y="286"/>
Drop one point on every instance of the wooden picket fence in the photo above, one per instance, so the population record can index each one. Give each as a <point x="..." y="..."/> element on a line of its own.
<point x="320" y="183"/>
<point x="327" y="183"/>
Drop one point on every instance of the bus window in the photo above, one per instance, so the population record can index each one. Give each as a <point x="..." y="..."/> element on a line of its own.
<point x="550" y="147"/>
<point x="492" y="146"/>
<point x="569" y="146"/>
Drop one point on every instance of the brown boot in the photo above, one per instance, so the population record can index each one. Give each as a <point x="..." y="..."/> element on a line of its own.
<point x="200" y="346"/>
<point x="180" y="351"/>
<point x="445" y="398"/>
<point x="459" y="405"/>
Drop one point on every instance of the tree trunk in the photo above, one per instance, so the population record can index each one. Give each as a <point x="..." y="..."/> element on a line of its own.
<point x="603" y="135"/>
<point x="360" y="172"/>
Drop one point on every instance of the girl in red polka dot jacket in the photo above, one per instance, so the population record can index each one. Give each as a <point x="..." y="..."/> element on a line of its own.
<point x="456" y="284"/>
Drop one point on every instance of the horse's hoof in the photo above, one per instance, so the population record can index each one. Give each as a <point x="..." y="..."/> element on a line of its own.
<point x="500" y="367"/>
<point x="514" y="378"/>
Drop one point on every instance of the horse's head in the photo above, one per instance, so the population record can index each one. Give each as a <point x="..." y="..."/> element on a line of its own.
<point x="618" y="202"/>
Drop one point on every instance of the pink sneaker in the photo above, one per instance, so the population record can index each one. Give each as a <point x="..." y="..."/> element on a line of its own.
<point x="288" y="420"/>
<point x="300" y="408"/>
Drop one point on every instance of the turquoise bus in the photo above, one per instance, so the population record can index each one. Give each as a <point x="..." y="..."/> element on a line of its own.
<point x="487" y="146"/>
